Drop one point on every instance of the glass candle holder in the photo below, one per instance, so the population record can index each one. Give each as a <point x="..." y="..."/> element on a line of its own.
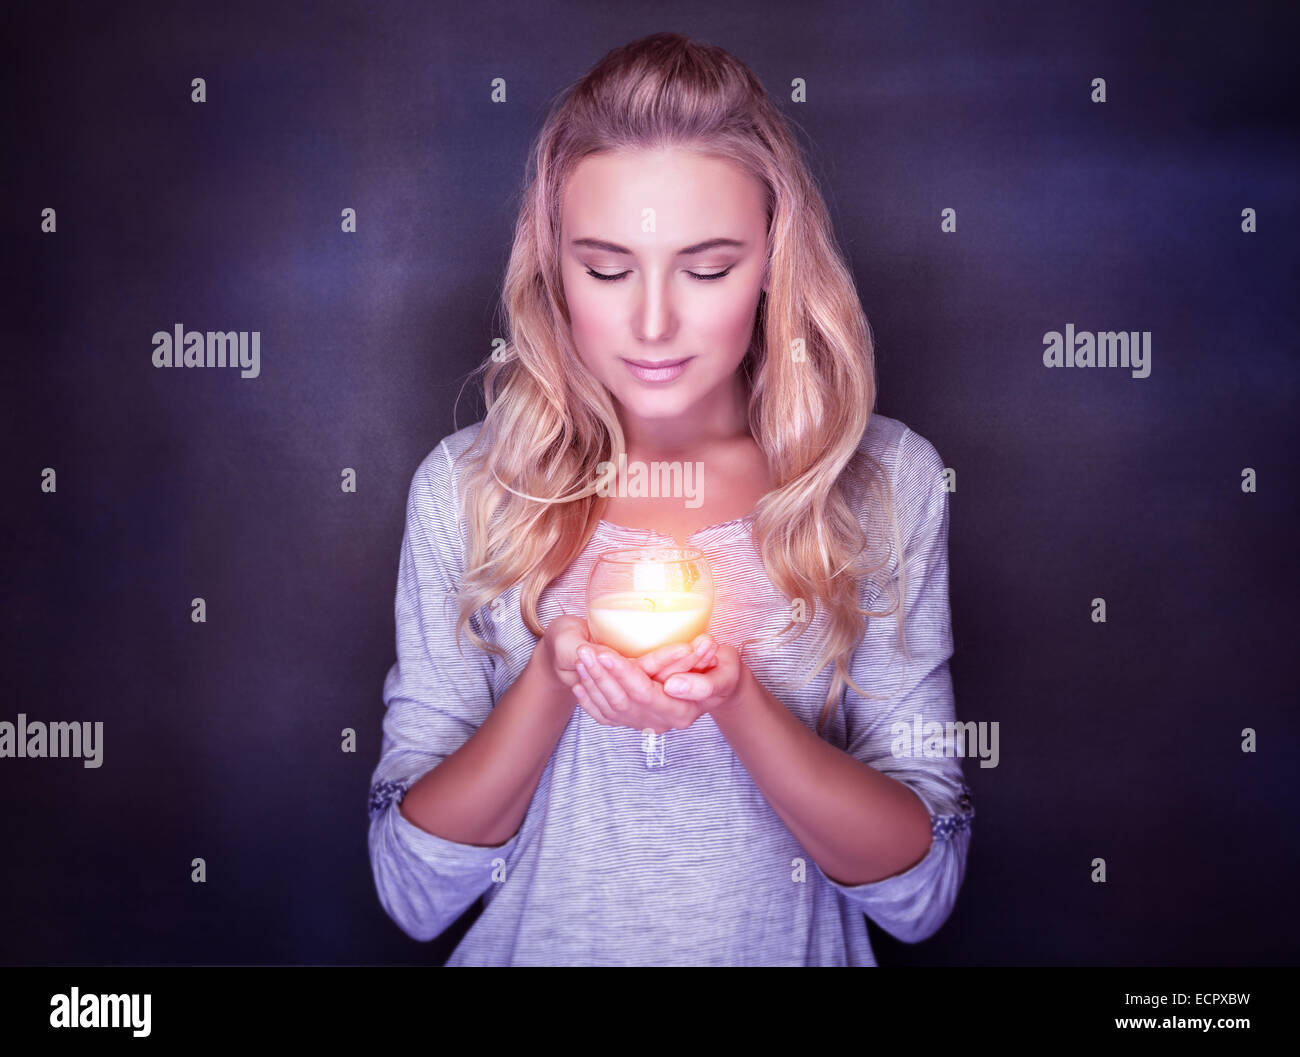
<point x="642" y="598"/>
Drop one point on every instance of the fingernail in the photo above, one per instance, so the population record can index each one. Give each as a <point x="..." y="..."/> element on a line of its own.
<point x="607" y="660"/>
<point x="585" y="653"/>
<point x="676" y="685"/>
<point x="582" y="669"/>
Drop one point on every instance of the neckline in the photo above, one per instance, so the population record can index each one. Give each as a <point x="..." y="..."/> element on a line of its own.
<point x="706" y="530"/>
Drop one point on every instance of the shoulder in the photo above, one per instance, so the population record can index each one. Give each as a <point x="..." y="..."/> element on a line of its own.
<point x="440" y="471"/>
<point x="457" y="443"/>
<point x="912" y="462"/>
<point x="915" y="471"/>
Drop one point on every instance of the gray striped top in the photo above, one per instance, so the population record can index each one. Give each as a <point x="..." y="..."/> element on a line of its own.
<point x="619" y="863"/>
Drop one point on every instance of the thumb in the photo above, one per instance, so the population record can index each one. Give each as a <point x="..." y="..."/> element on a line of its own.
<point x="682" y="686"/>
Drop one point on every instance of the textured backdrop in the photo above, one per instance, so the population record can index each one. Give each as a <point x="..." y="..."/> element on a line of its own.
<point x="985" y="195"/>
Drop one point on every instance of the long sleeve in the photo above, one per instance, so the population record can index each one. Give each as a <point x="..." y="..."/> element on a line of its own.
<point x="434" y="700"/>
<point x="913" y="905"/>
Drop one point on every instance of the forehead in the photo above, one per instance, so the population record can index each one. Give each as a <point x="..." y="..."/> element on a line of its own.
<point x="609" y="193"/>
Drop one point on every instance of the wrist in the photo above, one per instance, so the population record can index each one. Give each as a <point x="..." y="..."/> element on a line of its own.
<point x="541" y="672"/>
<point x="730" y="707"/>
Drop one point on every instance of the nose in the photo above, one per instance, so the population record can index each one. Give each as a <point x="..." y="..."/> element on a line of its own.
<point x="656" y="316"/>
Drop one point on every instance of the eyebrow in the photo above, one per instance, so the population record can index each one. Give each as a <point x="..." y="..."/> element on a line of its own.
<point x="699" y="247"/>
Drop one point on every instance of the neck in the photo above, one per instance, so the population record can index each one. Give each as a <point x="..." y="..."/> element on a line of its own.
<point x="720" y="417"/>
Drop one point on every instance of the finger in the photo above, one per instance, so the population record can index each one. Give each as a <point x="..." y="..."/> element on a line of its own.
<point x="654" y="662"/>
<point x="728" y="662"/>
<point x="685" y="664"/>
<point x="701" y="660"/>
<point x="585" y="657"/>
<point x="596" y="715"/>
<point x="688" y="687"/>
<point x="701" y="649"/>
<point x="580" y="696"/>
<point x="572" y="635"/>
<point x="608" y="677"/>
<point x="592" y="703"/>
<point x="591" y="672"/>
<point x="593" y="692"/>
<point x="679" y="713"/>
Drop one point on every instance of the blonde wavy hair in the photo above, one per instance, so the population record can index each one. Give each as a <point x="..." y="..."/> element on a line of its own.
<point x="529" y="494"/>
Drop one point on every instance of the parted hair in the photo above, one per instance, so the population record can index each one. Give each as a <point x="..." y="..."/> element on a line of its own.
<point x="529" y="494"/>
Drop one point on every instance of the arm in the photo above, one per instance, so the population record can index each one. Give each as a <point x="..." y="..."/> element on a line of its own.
<point x="456" y="774"/>
<point x="481" y="792"/>
<point x="858" y="824"/>
<point x="890" y="832"/>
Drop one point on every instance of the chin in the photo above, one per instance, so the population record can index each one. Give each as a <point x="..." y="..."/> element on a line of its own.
<point x="662" y="403"/>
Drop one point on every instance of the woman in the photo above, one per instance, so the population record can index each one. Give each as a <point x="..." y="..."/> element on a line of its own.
<point x="674" y="294"/>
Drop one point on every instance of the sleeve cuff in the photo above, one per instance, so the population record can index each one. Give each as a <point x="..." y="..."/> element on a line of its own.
<point x="946" y="833"/>
<point x="448" y="854"/>
<point x="445" y="855"/>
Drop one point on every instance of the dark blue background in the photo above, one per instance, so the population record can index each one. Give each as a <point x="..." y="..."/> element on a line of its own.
<point x="222" y="739"/>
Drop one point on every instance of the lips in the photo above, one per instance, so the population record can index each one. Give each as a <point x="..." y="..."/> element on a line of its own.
<point x="663" y="371"/>
<point x="654" y="365"/>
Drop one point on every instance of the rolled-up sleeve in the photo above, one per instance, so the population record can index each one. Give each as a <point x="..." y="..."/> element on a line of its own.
<point x="916" y="690"/>
<point x="434" y="700"/>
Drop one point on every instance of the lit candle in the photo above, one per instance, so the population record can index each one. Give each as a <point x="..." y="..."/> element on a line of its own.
<point x="643" y="598"/>
<point x="636" y="622"/>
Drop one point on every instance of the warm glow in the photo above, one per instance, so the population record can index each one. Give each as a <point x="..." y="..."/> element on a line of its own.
<point x="635" y="622"/>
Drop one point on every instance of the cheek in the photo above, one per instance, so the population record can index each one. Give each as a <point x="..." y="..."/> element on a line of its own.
<point x="588" y="316"/>
<point x="586" y="320"/>
<point x="584" y="324"/>
<point x="729" y="323"/>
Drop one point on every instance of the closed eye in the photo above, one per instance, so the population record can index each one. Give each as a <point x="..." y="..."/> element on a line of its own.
<point x="693" y="275"/>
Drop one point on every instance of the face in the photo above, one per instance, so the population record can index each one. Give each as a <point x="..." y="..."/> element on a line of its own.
<point x="663" y="259"/>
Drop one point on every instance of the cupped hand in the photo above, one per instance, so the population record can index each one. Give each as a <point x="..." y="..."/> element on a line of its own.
<point x="620" y="692"/>
<point x="566" y="635"/>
